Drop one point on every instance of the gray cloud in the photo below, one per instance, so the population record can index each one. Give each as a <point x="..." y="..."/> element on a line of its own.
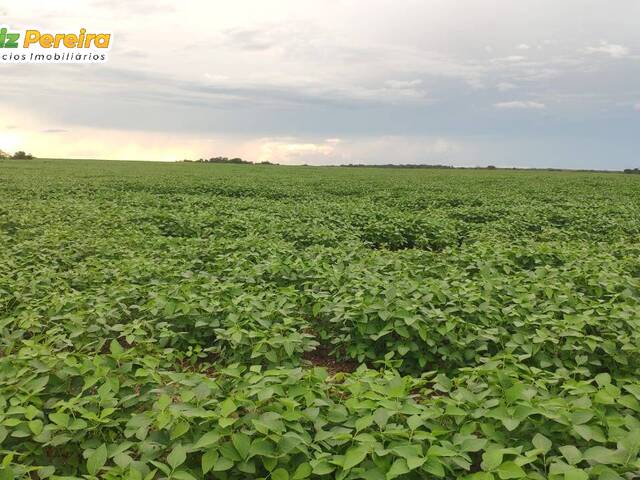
<point x="613" y="50"/>
<point x="350" y="70"/>
<point x="520" y="105"/>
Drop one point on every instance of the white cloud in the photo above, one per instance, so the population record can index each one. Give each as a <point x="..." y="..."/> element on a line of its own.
<point x="613" y="50"/>
<point x="215" y="78"/>
<point x="365" y="150"/>
<point x="292" y="151"/>
<point x="406" y="149"/>
<point x="520" y="105"/>
<point x="403" y="84"/>
<point x="402" y="90"/>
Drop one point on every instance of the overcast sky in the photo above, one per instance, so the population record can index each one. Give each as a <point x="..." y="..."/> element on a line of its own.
<point x="466" y="82"/>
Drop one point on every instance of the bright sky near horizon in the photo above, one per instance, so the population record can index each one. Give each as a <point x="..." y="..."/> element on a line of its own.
<point x="540" y="83"/>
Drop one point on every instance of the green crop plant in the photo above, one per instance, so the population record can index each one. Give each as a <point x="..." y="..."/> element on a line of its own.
<point x="191" y="321"/>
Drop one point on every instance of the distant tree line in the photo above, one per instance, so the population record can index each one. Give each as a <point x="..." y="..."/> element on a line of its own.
<point x="409" y="165"/>
<point x="632" y="170"/>
<point x="20" y="155"/>
<point x="235" y="161"/>
<point x="488" y="167"/>
<point x="397" y="165"/>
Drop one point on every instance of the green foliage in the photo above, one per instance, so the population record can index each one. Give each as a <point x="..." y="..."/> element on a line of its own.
<point x="213" y="321"/>
<point x="21" y="155"/>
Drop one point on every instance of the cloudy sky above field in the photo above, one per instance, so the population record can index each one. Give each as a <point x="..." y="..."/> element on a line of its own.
<point x="466" y="82"/>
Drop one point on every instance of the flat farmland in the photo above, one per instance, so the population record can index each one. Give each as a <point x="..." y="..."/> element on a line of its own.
<point x="189" y="321"/>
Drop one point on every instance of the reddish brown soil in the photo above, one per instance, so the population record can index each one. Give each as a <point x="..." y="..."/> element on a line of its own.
<point x="321" y="357"/>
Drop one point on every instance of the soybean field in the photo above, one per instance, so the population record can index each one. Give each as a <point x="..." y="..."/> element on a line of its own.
<point x="191" y="321"/>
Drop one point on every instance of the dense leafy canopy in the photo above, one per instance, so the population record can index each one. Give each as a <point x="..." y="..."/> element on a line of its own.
<point x="193" y="321"/>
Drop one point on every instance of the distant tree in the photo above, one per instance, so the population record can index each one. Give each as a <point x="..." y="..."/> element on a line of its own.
<point x="233" y="161"/>
<point x="491" y="167"/>
<point x="4" y="154"/>
<point x="632" y="170"/>
<point x="236" y="161"/>
<point x="395" y="165"/>
<point x="20" y="155"/>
